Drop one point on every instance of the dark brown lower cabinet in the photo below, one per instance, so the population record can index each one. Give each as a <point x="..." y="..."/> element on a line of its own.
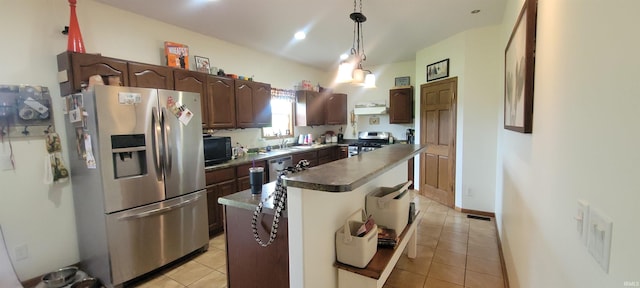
<point x="248" y="263"/>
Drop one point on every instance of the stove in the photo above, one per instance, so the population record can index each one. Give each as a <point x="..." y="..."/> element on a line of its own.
<point x="368" y="141"/>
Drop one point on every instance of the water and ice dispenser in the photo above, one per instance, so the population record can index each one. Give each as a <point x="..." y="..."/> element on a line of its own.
<point x="129" y="155"/>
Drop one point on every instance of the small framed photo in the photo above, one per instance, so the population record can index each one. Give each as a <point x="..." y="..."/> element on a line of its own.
<point x="438" y="70"/>
<point x="403" y="81"/>
<point x="202" y="64"/>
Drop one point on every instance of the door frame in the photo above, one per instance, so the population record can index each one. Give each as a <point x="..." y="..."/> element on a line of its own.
<point x="453" y="81"/>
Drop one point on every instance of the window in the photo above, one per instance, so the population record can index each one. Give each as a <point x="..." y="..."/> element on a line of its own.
<point x="282" y="118"/>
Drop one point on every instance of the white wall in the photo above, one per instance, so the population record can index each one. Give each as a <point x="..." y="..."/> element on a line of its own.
<point x="474" y="59"/>
<point x="42" y="216"/>
<point x="385" y="80"/>
<point x="583" y="146"/>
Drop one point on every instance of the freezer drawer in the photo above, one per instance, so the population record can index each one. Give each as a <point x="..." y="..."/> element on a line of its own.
<point x="145" y="238"/>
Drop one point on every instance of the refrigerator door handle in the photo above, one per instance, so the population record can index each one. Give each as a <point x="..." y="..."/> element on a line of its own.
<point x="157" y="150"/>
<point x="158" y="210"/>
<point x="167" y="144"/>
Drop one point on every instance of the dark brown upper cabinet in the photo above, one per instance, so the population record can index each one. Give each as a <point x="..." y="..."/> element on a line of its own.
<point x="310" y="108"/>
<point x="336" y="109"/>
<point x="78" y="67"/>
<point x="222" y="103"/>
<point x="253" y="104"/>
<point x="150" y="76"/>
<point x="401" y="105"/>
<point x="191" y="81"/>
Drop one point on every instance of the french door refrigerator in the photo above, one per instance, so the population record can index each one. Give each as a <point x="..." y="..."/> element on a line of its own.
<point x="138" y="179"/>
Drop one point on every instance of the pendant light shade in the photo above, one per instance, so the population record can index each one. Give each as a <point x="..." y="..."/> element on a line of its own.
<point x="350" y="70"/>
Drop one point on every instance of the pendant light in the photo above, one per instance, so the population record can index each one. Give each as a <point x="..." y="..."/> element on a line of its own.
<point x="350" y="70"/>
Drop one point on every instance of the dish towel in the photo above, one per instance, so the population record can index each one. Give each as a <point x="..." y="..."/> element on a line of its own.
<point x="54" y="170"/>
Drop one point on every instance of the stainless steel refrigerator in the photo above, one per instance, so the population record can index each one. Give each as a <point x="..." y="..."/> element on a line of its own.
<point x="138" y="179"/>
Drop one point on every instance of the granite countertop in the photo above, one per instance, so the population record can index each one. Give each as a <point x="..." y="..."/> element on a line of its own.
<point x="337" y="176"/>
<point x="249" y="158"/>
<point x="246" y="200"/>
<point x="350" y="173"/>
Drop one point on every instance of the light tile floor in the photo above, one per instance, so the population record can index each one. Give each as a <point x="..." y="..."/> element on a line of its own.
<point x="453" y="252"/>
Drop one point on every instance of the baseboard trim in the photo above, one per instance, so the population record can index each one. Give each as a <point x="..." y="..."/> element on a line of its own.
<point x="476" y="212"/>
<point x="505" y="277"/>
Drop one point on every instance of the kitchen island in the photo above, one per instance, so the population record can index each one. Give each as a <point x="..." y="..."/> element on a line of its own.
<point x="320" y="199"/>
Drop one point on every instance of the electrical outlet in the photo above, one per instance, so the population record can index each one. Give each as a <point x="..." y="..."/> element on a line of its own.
<point x="582" y="221"/>
<point x="21" y="252"/>
<point x="599" y="241"/>
<point x="469" y="192"/>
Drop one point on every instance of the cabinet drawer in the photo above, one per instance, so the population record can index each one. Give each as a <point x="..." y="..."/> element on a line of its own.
<point x="221" y="175"/>
<point x="327" y="152"/>
<point x="243" y="170"/>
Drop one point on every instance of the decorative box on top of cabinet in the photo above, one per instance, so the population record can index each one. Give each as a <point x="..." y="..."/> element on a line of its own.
<point x="401" y="105"/>
<point x="74" y="70"/>
<point x="253" y="104"/>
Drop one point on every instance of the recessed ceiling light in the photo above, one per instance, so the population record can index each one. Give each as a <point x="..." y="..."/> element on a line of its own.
<point x="475" y="11"/>
<point x="300" y="35"/>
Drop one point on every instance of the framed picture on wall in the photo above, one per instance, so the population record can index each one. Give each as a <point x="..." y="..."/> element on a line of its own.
<point x="202" y="64"/>
<point x="438" y="70"/>
<point x="519" y="71"/>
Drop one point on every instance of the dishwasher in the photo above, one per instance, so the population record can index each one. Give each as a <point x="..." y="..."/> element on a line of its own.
<point x="278" y="164"/>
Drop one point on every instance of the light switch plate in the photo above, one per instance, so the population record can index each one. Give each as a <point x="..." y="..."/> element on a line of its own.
<point x="582" y="221"/>
<point x="599" y="241"/>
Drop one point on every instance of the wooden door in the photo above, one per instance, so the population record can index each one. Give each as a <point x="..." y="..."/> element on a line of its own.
<point x="150" y="76"/>
<point x="222" y="103"/>
<point x="438" y="130"/>
<point x="191" y="81"/>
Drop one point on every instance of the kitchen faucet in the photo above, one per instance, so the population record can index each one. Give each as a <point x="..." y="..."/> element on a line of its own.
<point x="283" y="144"/>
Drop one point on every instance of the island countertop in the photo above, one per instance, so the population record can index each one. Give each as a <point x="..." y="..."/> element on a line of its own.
<point x="350" y="173"/>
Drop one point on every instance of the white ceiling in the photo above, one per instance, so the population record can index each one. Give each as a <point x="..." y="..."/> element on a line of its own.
<point x="393" y="32"/>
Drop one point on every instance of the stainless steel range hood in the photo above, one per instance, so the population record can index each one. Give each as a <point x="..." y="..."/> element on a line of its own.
<point x="370" y="109"/>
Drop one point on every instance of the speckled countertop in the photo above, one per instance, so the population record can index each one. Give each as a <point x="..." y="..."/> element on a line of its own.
<point x="337" y="176"/>
<point x="350" y="173"/>
<point x="248" y="158"/>
<point x="246" y="200"/>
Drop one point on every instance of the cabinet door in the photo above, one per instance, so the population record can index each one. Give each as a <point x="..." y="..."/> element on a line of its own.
<point x="311" y="156"/>
<point x="310" y="108"/>
<point x="262" y="104"/>
<point x="222" y="103"/>
<point x="244" y="104"/>
<point x="253" y="104"/>
<point x="344" y="152"/>
<point x="196" y="82"/>
<point x="213" y="209"/>
<point x="401" y="105"/>
<point x="336" y="109"/>
<point x="79" y="67"/>
<point x="150" y="76"/>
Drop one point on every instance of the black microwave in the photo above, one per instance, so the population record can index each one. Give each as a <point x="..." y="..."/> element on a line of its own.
<point x="216" y="149"/>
